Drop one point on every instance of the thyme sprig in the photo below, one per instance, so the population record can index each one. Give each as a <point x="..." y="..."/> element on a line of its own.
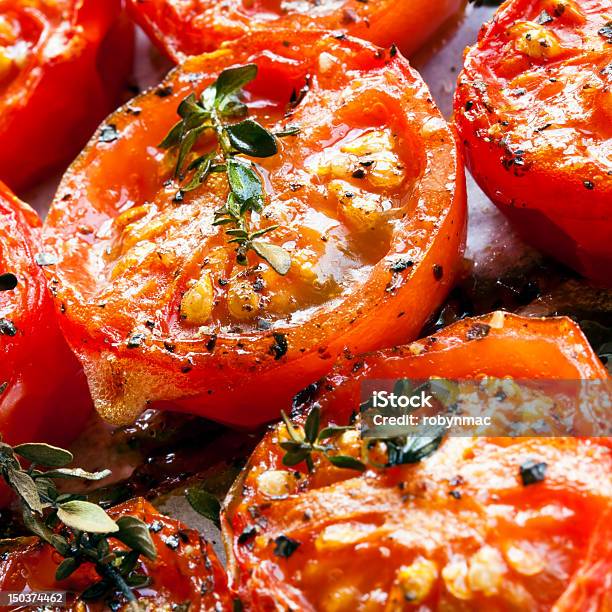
<point x="209" y="114"/>
<point x="76" y="528"/>
<point x="311" y="440"/>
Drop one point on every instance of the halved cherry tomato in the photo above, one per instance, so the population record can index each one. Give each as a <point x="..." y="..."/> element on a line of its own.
<point x="534" y="110"/>
<point x="43" y="391"/>
<point x="462" y="529"/>
<point x="368" y="199"/>
<point x="63" y="64"/>
<point x="182" y="28"/>
<point x="186" y="571"/>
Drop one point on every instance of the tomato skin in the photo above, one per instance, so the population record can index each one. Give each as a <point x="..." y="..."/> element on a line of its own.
<point x="216" y="377"/>
<point x="536" y="131"/>
<point x="191" y="572"/>
<point x="46" y="398"/>
<point x="80" y="57"/>
<point x="181" y="28"/>
<point x="354" y="531"/>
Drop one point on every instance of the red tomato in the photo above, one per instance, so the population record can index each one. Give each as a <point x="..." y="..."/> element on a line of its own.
<point x="44" y="396"/>
<point x="181" y="28"/>
<point x="534" y="110"/>
<point x="62" y="66"/>
<point x="186" y="570"/>
<point x="368" y="199"/>
<point x="459" y="530"/>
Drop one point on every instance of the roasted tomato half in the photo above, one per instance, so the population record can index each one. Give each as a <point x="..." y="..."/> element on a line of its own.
<point x="185" y="573"/>
<point x="481" y="523"/>
<point x="182" y="28"/>
<point x="43" y="391"/>
<point x="534" y="110"/>
<point x="223" y="269"/>
<point x="62" y="66"/>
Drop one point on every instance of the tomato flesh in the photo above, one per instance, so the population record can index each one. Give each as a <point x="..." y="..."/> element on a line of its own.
<point x="368" y="198"/>
<point x="534" y="109"/>
<point x="63" y="65"/>
<point x="460" y="529"/>
<point x="182" y="28"/>
<point x="44" y="393"/>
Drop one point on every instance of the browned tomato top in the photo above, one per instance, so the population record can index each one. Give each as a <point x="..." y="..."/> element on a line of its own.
<point x="463" y="529"/>
<point x="367" y="199"/>
<point x="186" y="571"/>
<point x="192" y="27"/>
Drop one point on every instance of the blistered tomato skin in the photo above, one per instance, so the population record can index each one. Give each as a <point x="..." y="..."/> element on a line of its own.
<point x="186" y="571"/>
<point x="44" y="395"/>
<point x="534" y="109"/>
<point x="182" y="28"/>
<point x="460" y="530"/>
<point x="63" y="64"/>
<point x="368" y="198"/>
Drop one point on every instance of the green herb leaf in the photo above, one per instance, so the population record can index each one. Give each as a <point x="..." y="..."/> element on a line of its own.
<point x="204" y="503"/>
<point x="187" y="143"/>
<point x="26" y="488"/>
<point x="233" y="107"/>
<point x="290" y="130"/>
<point x="137" y="580"/>
<point x="245" y="185"/>
<point x="202" y="167"/>
<point x="85" y="516"/>
<point x="331" y="431"/>
<point x="103" y="547"/>
<point x="275" y="255"/>
<point x="311" y="427"/>
<point x="291" y="446"/>
<point x="294" y="432"/>
<point x="134" y="533"/>
<point x="128" y="563"/>
<point x="250" y="138"/>
<point x="37" y="527"/>
<point x="294" y="457"/>
<point x="173" y="137"/>
<point x="95" y="591"/>
<point x="233" y="206"/>
<point x="231" y="80"/>
<point x="346" y="462"/>
<point x="262" y="231"/>
<point x="77" y="473"/>
<point x="402" y="451"/>
<point x="66" y="568"/>
<point x="46" y="487"/>
<point x="44" y="454"/>
<point x="189" y="106"/>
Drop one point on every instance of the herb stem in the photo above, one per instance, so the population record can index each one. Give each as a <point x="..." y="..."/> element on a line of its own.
<point x="226" y="147"/>
<point x="108" y="572"/>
